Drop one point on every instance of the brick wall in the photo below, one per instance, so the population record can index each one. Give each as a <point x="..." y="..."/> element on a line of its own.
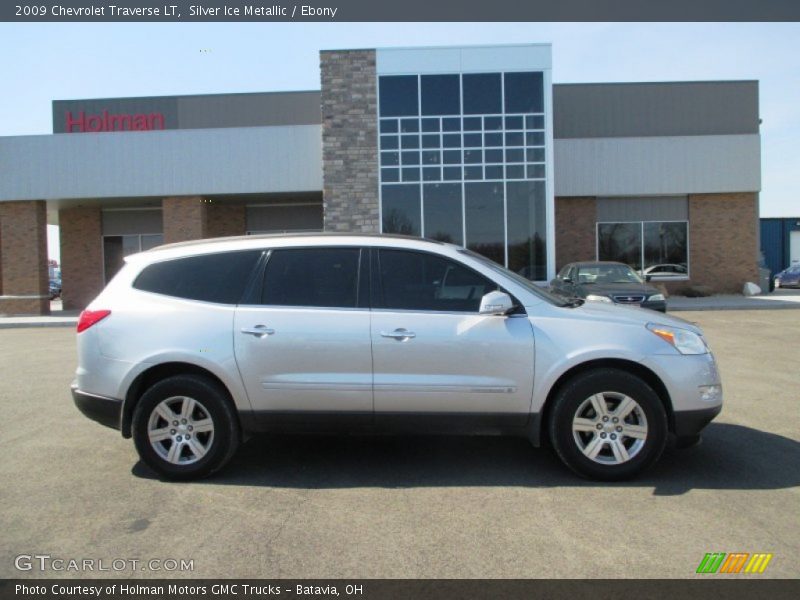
<point x="349" y="141"/>
<point x="23" y="250"/>
<point x="576" y="230"/>
<point x="81" y="233"/>
<point x="185" y="218"/>
<point x="226" y="219"/>
<point x="723" y="241"/>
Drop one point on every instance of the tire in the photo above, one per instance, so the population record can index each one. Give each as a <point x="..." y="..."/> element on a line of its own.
<point x="185" y="427"/>
<point x="639" y="434"/>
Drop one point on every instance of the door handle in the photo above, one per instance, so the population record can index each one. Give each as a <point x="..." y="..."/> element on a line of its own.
<point x="399" y="334"/>
<point x="259" y="331"/>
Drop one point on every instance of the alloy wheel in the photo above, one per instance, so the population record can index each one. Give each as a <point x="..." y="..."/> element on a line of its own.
<point x="609" y="428"/>
<point x="180" y="430"/>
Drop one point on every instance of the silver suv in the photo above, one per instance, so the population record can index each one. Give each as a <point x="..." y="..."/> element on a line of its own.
<point x="193" y="346"/>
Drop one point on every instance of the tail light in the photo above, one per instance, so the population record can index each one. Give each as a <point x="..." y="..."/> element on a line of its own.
<point x="90" y="317"/>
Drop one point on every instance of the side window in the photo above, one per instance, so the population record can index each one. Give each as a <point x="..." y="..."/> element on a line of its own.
<point x="219" y="277"/>
<point x="421" y="281"/>
<point x="321" y="277"/>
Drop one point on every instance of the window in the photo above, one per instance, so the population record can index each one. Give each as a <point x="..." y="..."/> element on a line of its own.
<point x="462" y="159"/>
<point x="399" y="96"/>
<point x="426" y="282"/>
<point x="443" y="212"/>
<point x="441" y="94"/>
<point x="484" y="217"/>
<point x="401" y="208"/>
<point x="321" y="277"/>
<point x="665" y="243"/>
<point x="482" y="94"/>
<point x="524" y="93"/>
<point x="606" y="274"/>
<point x="117" y="247"/>
<point x="526" y="229"/>
<point x="219" y="277"/>
<point x="644" y="245"/>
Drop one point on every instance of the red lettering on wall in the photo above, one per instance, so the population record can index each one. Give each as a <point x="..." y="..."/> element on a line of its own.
<point x="79" y="122"/>
<point x="83" y="123"/>
<point x="94" y="123"/>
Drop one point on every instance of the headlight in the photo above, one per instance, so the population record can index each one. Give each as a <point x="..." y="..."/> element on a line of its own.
<point x="685" y="341"/>
<point x="596" y="298"/>
<point x="656" y="298"/>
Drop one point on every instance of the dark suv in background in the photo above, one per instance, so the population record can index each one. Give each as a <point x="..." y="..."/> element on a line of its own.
<point x="606" y="281"/>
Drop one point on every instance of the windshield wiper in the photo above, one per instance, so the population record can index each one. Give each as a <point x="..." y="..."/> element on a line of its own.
<point x="574" y="302"/>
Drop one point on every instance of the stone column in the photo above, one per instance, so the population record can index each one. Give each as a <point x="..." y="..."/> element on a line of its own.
<point x="349" y="141"/>
<point x="23" y="251"/>
<point x="185" y="218"/>
<point x="81" y="233"/>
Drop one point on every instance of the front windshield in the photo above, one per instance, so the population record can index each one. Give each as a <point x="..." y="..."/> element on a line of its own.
<point x="526" y="283"/>
<point x="607" y="274"/>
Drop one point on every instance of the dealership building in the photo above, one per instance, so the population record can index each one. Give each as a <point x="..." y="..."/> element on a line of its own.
<point x="472" y="145"/>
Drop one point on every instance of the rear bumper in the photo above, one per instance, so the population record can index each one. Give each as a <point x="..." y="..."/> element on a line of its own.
<point x="691" y="422"/>
<point x="104" y="410"/>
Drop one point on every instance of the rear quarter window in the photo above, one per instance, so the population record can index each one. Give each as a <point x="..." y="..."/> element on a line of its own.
<point x="220" y="277"/>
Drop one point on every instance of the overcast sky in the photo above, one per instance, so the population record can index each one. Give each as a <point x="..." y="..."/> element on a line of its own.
<point x="44" y="62"/>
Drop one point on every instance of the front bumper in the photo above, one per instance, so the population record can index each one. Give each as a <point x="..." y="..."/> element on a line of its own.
<point x="688" y="423"/>
<point x="104" y="410"/>
<point x="659" y="305"/>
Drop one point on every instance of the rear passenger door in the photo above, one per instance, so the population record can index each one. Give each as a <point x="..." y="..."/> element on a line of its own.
<point x="302" y="342"/>
<point x="434" y="354"/>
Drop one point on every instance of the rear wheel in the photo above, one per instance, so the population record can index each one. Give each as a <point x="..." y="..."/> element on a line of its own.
<point x="184" y="427"/>
<point x="608" y="424"/>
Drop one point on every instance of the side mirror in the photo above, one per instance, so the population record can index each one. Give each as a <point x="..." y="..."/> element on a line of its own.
<point x="567" y="280"/>
<point x="496" y="303"/>
<point x="648" y="277"/>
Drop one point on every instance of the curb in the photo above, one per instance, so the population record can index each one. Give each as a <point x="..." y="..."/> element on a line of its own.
<point x="787" y="306"/>
<point x="71" y="324"/>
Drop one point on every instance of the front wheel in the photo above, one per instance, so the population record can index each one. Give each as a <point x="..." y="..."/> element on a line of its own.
<point x="184" y="427"/>
<point x="608" y="424"/>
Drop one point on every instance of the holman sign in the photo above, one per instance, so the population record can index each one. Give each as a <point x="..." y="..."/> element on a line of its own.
<point x="82" y="122"/>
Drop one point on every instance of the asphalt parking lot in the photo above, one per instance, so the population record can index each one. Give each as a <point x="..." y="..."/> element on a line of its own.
<point x="406" y="507"/>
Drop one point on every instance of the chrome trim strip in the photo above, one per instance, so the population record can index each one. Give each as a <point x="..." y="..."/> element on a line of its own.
<point x="428" y="388"/>
<point x="324" y="385"/>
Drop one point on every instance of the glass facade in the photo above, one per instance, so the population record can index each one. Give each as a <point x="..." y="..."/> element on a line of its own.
<point x="462" y="160"/>
<point x="647" y="246"/>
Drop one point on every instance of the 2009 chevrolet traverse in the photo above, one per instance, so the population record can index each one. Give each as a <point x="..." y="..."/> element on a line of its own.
<point x="193" y="345"/>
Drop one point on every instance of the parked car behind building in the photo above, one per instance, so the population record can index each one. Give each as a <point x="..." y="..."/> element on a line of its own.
<point x="606" y="281"/>
<point x="788" y="277"/>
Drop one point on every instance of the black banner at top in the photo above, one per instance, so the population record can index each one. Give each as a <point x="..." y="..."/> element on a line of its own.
<point x="405" y="10"/>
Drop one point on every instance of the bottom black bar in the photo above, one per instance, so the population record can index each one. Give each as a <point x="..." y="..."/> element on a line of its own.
<point x="710" y="586"/>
